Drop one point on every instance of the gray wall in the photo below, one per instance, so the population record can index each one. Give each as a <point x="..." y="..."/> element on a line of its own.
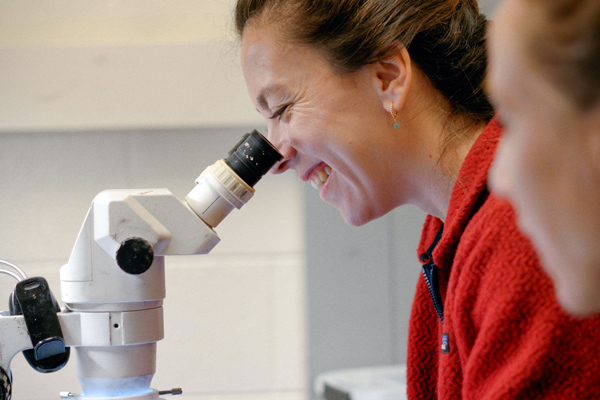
<point x="360" y="284"/>
<point x="488" y="7"/>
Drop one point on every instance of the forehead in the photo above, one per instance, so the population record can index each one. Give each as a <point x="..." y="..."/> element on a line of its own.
<point x="506" y="31"/>
<point x="267" y="44"/>
<point x="270" y="63"/>
<point x="263" y="46"/>
<point x="508" y="60"/>
<point x="514" y="73"/>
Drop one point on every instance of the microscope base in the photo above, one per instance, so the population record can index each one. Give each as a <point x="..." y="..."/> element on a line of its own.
<point x="153" y="395"/>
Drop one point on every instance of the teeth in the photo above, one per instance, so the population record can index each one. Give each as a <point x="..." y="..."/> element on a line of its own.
<point x="319" y="179"/>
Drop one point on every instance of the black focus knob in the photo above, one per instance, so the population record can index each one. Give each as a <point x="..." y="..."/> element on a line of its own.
<point x="135" y="256"/>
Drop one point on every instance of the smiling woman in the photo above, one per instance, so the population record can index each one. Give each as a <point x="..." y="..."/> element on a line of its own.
<point x="380" y="104"/>
<point x="325" y="89"/>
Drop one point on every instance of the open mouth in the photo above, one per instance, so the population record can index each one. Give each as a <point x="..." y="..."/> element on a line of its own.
<point x="318" y="178"/>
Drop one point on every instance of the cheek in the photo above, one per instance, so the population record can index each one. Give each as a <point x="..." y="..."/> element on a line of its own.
<point x="531" y="161"/>
<point x="539" y="185"/>
<point x="313" y="133"/>
<point x="520" y="173"/>
<point x="512" y="169"/>
<point x="501" y="174"/>
<point x="275" y="133"/>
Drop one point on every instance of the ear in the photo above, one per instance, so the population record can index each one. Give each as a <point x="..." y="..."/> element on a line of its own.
<point x="393" y="77"/>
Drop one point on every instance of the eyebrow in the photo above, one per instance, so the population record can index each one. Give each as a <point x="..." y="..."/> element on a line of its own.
<point x="266" y="92"/>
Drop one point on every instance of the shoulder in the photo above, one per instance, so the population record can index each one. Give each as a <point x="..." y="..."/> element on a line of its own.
<point x="495" y="226"/>
<point x="496" y="256"/>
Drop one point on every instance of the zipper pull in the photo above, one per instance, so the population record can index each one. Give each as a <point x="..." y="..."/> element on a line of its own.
<point x="445" y="343"/>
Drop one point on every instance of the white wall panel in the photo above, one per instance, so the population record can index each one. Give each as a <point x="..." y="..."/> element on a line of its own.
<point x="122" y="86"/>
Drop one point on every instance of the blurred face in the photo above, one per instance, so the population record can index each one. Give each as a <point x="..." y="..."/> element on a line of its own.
<point x="546" y="164"/>
<point x="332" y="129"/>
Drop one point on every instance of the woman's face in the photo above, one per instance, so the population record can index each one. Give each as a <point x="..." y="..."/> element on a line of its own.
<point x="331" y="128"/>
<point x="545" y="165"/>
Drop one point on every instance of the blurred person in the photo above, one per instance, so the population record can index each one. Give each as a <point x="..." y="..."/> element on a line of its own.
<point x="545" y="79"/>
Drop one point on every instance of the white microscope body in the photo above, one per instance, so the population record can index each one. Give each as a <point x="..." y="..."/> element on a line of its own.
<point x="113" y="285"/>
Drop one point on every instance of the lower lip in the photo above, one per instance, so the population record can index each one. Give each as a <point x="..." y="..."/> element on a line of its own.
<point x="324" y="188"/>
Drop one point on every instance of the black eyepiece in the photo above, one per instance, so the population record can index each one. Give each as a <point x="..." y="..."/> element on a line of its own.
<point x="252" y="157"/>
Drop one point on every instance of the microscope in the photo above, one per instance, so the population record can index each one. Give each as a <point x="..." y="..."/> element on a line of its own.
<point x="113" y="284"/>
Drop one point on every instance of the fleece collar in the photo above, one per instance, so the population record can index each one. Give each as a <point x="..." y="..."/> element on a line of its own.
<point x="469" y="192"/>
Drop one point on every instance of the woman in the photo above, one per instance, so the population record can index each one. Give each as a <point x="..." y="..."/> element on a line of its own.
<point x="379" y="104"/>
<point x="545" y="77"/>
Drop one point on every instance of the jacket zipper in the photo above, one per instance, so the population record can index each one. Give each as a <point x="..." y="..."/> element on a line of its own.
<point x="430" y="273"/>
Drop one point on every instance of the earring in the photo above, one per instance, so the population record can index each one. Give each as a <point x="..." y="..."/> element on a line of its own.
<point x="396" y="124"/>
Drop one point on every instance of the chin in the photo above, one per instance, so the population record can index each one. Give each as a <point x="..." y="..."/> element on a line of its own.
<point x="355" y="221"/>
<point x="353" y="218"/>
<point x="355" y="211"/>
<point x="578" y="302"/>
<point x="577" y="289"/>
<point x="576" y="281"/>
<point x="356" y="218"/>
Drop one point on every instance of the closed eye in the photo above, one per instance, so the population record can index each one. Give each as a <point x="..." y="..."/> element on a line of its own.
<point x="279" y="112"/>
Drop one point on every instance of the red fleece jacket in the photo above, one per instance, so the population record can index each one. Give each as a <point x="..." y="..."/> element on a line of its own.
<point x="506" y="336"/>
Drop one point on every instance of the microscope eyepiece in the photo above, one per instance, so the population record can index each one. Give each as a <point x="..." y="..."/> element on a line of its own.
<point x="252" y="157"/>
<point x="229" y="183"/>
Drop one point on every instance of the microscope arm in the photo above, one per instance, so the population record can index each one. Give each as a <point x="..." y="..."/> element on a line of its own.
<point x="13" y="327"/>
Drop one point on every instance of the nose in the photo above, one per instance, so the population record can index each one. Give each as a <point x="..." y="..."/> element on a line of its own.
<point x="287" y="151"/>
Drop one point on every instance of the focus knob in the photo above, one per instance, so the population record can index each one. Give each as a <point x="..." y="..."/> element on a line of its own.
<point x="135" y="256"/>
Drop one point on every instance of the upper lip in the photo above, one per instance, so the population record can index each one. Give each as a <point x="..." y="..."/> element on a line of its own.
<point x="309" y="172"/>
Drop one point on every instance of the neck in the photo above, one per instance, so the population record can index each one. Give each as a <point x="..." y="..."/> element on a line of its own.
<point x="436" y="165"/>
<point x="436" y="189"/>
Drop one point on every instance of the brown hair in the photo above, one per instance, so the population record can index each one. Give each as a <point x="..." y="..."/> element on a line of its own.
<point x="564" y="38"/>
<point x="445" y="38"/>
